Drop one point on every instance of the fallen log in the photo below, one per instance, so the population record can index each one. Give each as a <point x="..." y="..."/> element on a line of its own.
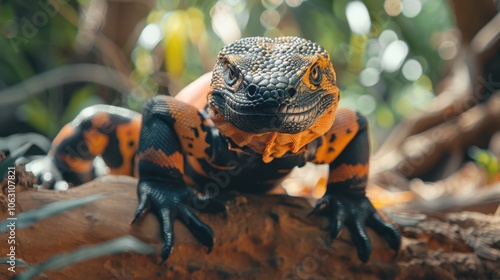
<point x="260" y="236"/>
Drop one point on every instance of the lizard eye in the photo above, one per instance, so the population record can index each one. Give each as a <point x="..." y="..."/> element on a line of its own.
<point x="315" y="75"/>
<point x="230" y="75"/>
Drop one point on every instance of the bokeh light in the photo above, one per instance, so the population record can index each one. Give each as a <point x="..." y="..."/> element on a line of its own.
<point x="374" y="62"/>
<point x="373" y="45"/>
<point x="224" y="23"/>
<point x="394" y="55"/>
<point x="366" y="104"/>
<point x="411" y="8"/>
<point x="393" y="7"/>
<point x="412" y="70"/>
<point x="293" y="3"/>
<point x="271" y="4"/>
<point x="448" y="50"/>
<point x="358" y="17"/>
<point x="150" y="36"/>
<point x="386" y="37"/>
<point x="369" y="76"/>
<point x="384" y="117"/>
<point x="270" y="19"/>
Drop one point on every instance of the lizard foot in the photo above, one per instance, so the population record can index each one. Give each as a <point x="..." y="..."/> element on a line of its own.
<point x="356" y="212"/>
<point x="169" y="202"/>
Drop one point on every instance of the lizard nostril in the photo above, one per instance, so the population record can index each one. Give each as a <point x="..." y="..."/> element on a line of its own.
<point x="251" y="90"/>
<point x="291" y="92"/>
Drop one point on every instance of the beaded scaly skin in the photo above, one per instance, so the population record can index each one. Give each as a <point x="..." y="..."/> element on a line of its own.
<point x="272" y="106"/>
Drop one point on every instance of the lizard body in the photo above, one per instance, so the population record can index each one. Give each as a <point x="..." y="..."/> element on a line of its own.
<point x="272" y="105"/>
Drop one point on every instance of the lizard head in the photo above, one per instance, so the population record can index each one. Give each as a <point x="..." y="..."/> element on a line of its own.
<point x="271" y="88"/>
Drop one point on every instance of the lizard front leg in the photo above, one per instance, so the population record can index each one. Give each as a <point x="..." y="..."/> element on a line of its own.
<point x="346" y="149"/>
<point x="170" y="130"/>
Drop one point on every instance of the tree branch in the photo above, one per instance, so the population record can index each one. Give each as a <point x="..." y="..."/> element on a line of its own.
<point x="64" y="75"/>
<point x="263" y="235"/>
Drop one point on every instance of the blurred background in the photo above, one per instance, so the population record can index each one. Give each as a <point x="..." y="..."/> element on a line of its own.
<point x="426" y="73"/>
<point x="389" y="55"/>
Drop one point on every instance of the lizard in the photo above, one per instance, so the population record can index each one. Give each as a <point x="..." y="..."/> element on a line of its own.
<point x="272" y="105"/>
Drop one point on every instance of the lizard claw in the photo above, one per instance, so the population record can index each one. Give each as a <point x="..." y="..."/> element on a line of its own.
<point x="142" y="207"/>
<point x="321" y="207"/>
<point x="166" y="232"/>
<point x="356" y="212"/>
<point x="201" y="231"/>
<point x="337" y="218"/>
<point x="169" y="202"/>
<point x="385" y="229"/>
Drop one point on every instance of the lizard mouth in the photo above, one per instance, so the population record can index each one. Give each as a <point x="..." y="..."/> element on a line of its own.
<point x="287" y="117"/>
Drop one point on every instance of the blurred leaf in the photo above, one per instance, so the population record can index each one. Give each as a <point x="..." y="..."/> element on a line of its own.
<point x="37" y="115"/>
<point x="175" y="42"/>
<point x="27" y="218"/>
<point x="384" y="117"/>
<point x="115" y="246"/>
<point x="357" y="52"/>
<point x="143" y="62"/>
<point x="9" y="161"/>
<point x="19" y="262"/>
<point x="485" y="159"/>
<point x="82" y="99"/>
<point x="196" y="24"/>
<point x="20" y="145"/>
<point x="14" y="142"/>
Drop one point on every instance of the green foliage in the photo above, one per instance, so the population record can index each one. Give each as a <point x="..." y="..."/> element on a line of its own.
<point x="42" y="119"/>
<point x="486" y="159"/>
<point x="385" y="95"/>
<point x="184" y="37"/>
<point x="82" y="99"/>
<point x="37" y="114"/>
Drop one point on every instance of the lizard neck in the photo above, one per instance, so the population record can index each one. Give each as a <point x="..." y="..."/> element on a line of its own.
<point x="273" y="144"/>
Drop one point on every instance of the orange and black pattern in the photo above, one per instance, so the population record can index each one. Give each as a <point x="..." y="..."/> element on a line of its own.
<point x="346" y="149"/>
<point x="101" y="130"/>
<point x="271" y="106"/>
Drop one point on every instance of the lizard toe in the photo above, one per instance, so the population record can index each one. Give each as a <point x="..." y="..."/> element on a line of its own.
<point x="360" y="239"/>
<point x="166" y="232"/>
<point x="385" y="229"/>
<point x="198" y="229"/>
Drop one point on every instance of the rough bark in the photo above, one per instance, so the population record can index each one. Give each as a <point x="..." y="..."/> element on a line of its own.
<point x="261" y="236"/>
